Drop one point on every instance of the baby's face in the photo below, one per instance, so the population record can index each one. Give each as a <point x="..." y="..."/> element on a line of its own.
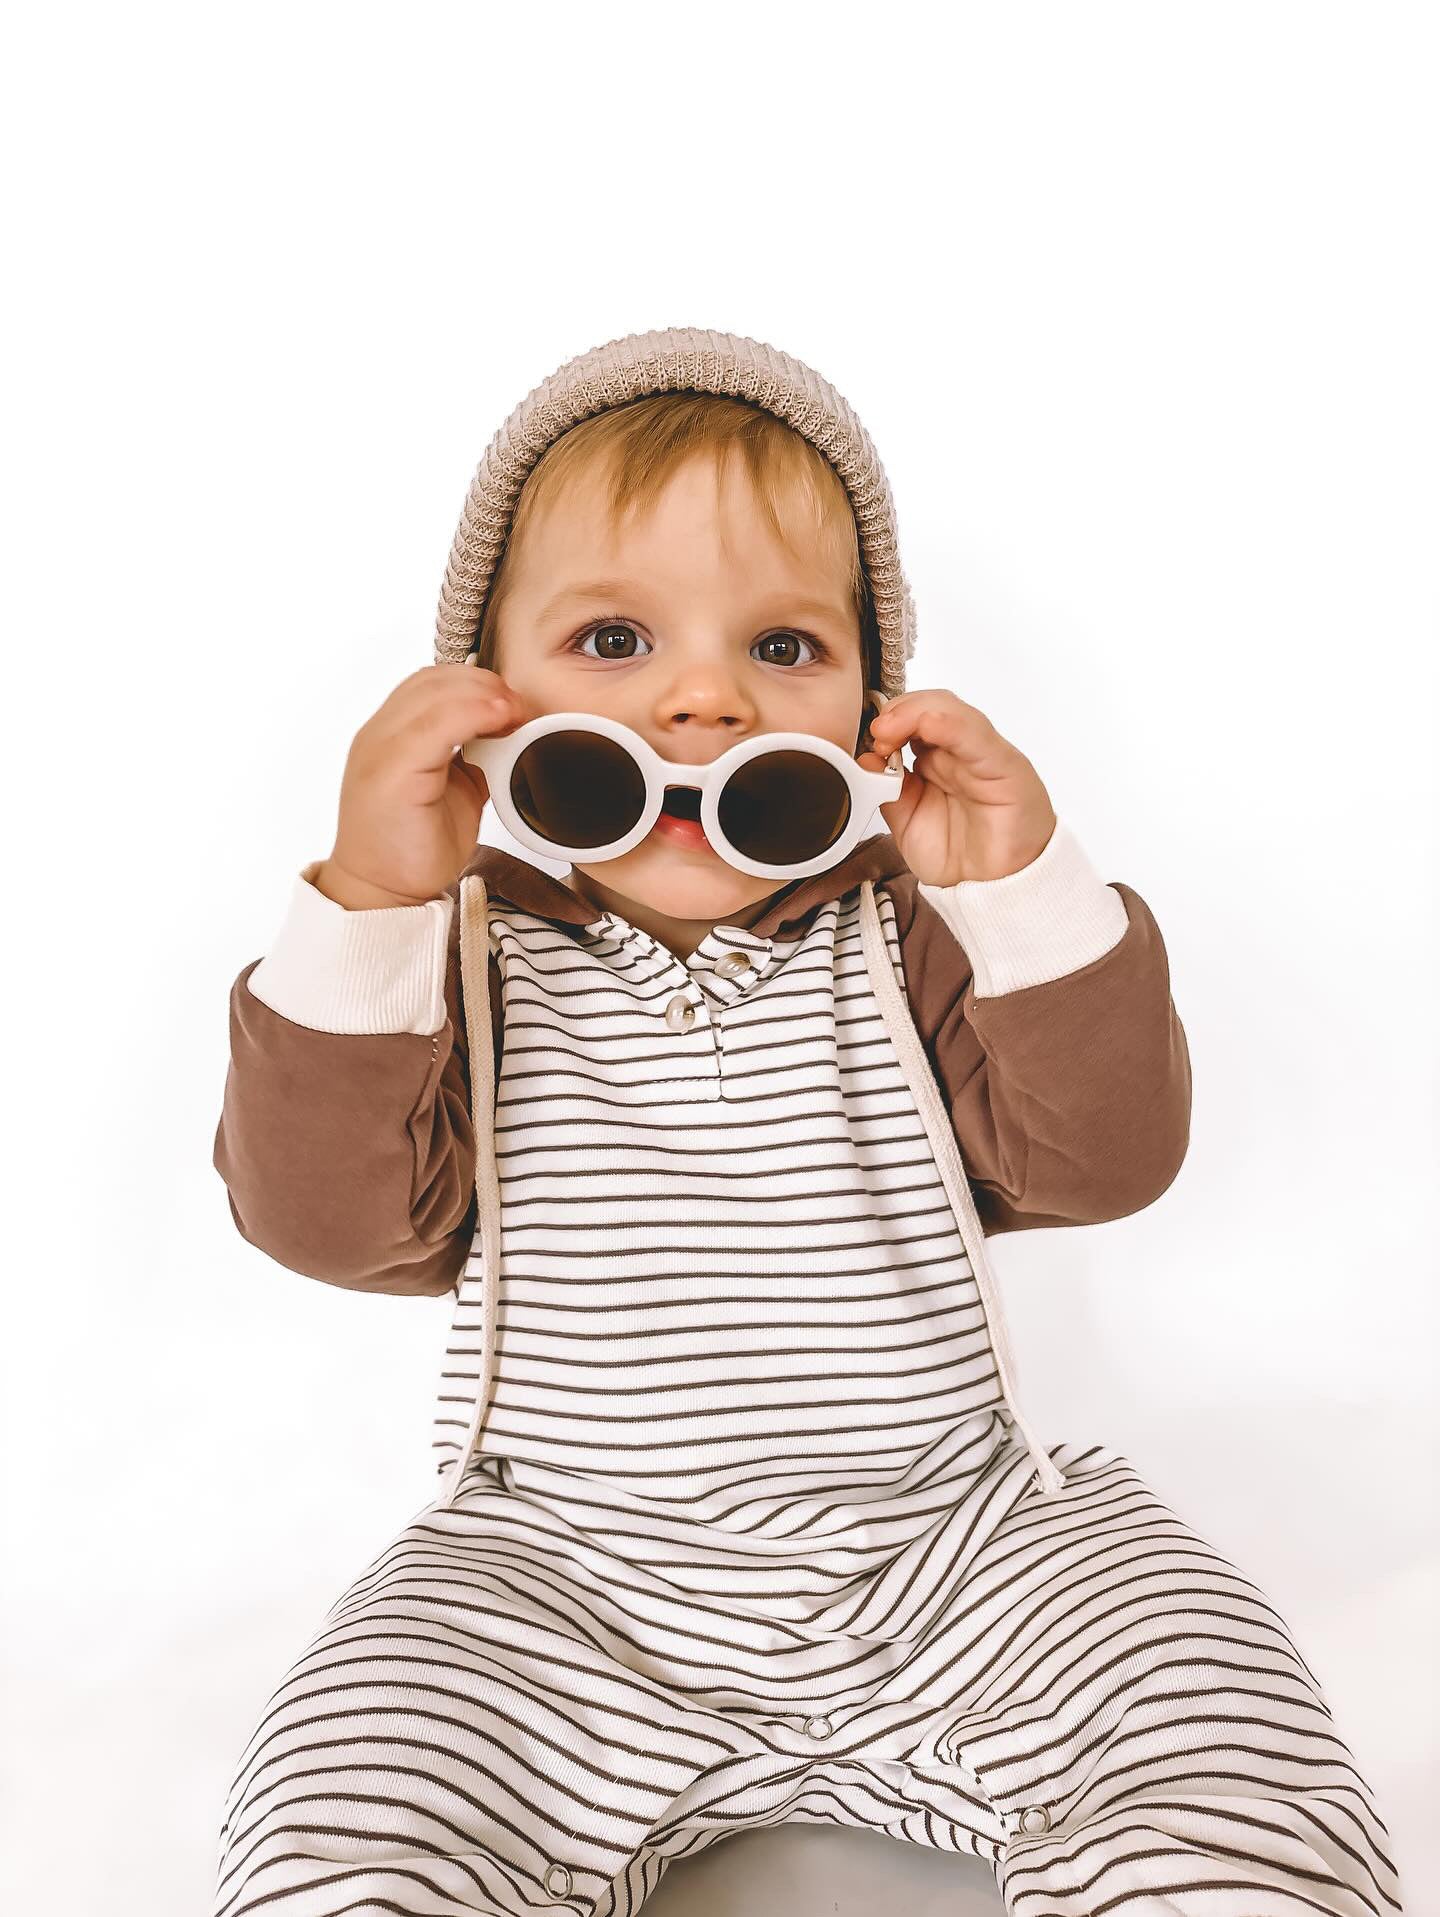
<point x="707" y="633"/>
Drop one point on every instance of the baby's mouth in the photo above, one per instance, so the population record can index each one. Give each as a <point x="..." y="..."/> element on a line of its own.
<point x="679" y="820"/>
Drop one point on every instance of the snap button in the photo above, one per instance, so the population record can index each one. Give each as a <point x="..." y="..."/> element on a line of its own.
<point x="732" y="964"/>
<point x="556" y="1881"/>
<point x="1035" y="1819"/>
<point x="679" y="1013"/>
<point x="818" y="1727"/>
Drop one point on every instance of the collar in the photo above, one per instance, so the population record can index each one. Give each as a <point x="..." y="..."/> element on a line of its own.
<point x="783" y="915"/>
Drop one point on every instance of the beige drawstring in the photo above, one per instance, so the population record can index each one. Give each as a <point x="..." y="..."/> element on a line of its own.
<point x="475" y="990"/>
<point x="896" y="1012"/>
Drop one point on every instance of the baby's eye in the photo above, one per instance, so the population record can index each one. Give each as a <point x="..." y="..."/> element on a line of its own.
<point x="605" y="634"/>
<point x="610" y="646"/>
<point x="787" y="639"/>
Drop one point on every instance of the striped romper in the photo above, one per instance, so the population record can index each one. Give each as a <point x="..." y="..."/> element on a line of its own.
<point x="739" y="1520"/>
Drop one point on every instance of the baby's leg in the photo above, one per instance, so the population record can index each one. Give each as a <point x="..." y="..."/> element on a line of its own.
<point x="1143" y="1721"/>
<point x="457" y="1737"/>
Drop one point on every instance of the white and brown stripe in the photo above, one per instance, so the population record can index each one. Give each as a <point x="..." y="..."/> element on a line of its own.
<point x="747" y="1532"/>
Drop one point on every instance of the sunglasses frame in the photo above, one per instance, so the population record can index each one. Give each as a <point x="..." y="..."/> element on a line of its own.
<point x="496" y="757"/>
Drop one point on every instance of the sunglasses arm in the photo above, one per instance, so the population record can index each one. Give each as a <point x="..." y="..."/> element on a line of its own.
<point x="880" y="700"/>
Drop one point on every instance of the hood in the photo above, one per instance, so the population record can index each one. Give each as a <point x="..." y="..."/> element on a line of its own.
<point x="783" y="914"/>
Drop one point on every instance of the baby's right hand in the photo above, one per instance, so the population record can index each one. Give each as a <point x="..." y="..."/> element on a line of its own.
<point x="410" y="806"/>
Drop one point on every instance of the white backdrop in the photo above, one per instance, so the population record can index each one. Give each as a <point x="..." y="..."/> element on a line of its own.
<point x="1139" y="305"/>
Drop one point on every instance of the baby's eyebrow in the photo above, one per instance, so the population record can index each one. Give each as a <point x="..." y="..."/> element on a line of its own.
<point x="618" y="588"/>
<point x="595" y="589"/>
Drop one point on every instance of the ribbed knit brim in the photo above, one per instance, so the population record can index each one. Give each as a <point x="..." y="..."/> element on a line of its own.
<point x="677" y="360"/>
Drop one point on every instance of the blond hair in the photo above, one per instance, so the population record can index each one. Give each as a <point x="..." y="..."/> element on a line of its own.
<point x="645" y="441"/>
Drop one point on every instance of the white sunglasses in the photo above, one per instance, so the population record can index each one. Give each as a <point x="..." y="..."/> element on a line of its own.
<point x="581" y="787"/>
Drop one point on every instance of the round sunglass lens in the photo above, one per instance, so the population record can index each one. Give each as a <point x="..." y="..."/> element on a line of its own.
<point x="577" y="788"/>
<point x="782" y="808"/>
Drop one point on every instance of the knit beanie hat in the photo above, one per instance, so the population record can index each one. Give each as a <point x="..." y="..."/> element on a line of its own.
<point x="677" y="359"/>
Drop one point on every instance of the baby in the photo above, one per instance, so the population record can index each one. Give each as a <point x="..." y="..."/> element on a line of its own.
<point x="741" y="1521"/>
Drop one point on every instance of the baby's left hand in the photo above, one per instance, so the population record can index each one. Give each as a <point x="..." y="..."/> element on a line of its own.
<point x="973" y="806"/>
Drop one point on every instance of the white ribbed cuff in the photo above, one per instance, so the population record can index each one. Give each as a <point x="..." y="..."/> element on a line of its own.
<point x="341" y="971"/>
<point x="1049" y="918"/>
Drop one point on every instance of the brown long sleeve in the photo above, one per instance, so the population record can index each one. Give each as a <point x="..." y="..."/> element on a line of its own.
<point x="351" y="1157"/>
<point x="1070" y="1100"/>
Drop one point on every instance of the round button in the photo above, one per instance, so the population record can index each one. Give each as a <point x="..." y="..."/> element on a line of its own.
<point x="679" y="1013"/>
<point x="1035" y="1819"/>
<point x="818" y="1727"/>
<point x="733" y="964"/>
<point x="556" y="1881"/>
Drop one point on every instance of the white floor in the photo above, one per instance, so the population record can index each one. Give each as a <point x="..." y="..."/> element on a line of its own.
<point x="819" y="1870"/>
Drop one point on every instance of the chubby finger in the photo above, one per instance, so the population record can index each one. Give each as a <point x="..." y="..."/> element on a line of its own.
<point x="945" y="724"/>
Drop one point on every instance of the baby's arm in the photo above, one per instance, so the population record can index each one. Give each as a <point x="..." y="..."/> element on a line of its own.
<point x="1043" y="1001"/>
<point x="346" y="1141"/>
